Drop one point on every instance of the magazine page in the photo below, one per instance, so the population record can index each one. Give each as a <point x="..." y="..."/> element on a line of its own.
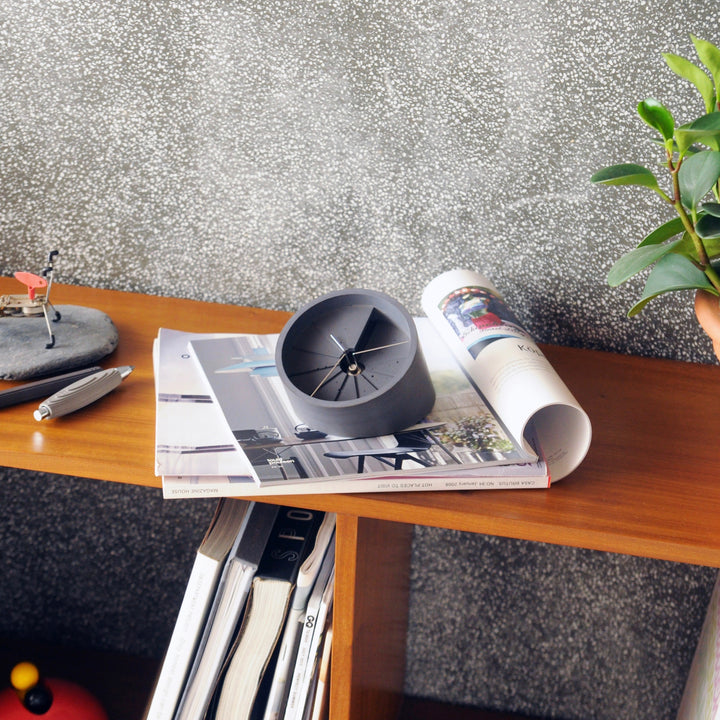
<point x="521" y="476"/>
<point x="191" y="437"/>
<point x="507" y="366"/>
<point x="460" y="432"/>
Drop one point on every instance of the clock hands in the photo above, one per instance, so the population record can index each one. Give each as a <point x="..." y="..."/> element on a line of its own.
<point x="350" y="353"/>
<point x="327" y="376"/>
<point x="353" y="367"/>
<point x="380" y="347"/>
<point x="338" y="343"/>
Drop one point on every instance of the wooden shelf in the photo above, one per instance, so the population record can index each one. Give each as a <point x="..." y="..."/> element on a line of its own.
<point x="648" y="486"/>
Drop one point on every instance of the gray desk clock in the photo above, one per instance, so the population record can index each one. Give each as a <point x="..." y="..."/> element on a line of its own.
<point x="351" y="364"/>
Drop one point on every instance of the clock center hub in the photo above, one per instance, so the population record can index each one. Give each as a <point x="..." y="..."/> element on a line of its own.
<point x="350" y="365"/>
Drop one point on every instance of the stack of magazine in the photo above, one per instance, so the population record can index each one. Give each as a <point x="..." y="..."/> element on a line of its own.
<point x="253" y="635"/>
<point x="503" y="418"/>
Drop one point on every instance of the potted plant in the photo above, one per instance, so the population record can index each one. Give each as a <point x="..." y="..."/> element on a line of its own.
<point x="684" y="252"/>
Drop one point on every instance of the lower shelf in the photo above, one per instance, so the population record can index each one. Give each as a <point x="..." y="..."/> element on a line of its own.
<point x="123" y="683"/>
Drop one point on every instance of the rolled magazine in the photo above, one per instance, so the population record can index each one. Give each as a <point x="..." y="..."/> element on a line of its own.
<point x="508" y="368"/>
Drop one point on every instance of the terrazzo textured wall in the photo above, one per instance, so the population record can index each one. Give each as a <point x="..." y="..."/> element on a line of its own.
<point x="264" y="152"/>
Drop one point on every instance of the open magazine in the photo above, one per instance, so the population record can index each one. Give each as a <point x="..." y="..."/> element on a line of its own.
<point x="465" y="442"/>
<point x="511" y="372"/>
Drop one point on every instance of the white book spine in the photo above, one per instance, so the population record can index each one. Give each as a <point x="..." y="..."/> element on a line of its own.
<point x="314" y="616"/>
<point x="194" y="606"/>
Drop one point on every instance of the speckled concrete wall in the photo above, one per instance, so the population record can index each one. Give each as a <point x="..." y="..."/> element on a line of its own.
<point x="264" y="152"/>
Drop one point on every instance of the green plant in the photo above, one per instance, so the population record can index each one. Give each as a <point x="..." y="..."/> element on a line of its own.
<point x="683" y="249"/>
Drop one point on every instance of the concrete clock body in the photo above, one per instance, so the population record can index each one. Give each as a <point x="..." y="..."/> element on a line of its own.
<point x="352" y="365"/>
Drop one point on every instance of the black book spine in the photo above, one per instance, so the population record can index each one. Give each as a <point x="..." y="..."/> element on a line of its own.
<point x="291" y="540"/>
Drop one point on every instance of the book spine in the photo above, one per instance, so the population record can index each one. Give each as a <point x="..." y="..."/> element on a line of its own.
<point x="313" y="629"/>
<point x="194" y="607"/>
<point x="291" y="539"/>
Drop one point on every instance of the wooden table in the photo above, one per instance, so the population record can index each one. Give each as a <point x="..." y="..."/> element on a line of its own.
<point x="650" y="485"/>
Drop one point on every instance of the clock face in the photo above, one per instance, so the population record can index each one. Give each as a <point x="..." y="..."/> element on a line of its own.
<point x="348" y="352"/>
<point x="350" y="357"/>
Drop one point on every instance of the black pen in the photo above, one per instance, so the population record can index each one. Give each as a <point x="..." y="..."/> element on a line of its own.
<point x="82" y="393"/>
<point x="42" y="388"/>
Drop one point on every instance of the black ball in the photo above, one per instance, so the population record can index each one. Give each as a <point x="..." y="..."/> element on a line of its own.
<point x="38" y="699"/>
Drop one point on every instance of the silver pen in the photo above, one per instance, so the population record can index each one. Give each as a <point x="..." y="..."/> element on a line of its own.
<point x="82" y="393"/>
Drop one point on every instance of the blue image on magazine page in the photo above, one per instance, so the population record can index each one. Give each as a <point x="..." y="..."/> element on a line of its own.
<point x="480" y="317"/>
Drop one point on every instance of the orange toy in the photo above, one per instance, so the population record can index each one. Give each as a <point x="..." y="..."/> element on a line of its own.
<point x="31" y="697"/>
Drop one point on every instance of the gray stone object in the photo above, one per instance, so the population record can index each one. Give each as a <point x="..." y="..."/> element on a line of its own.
<point x="83" y="336"/>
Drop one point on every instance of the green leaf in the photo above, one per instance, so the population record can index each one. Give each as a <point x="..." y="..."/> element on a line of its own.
<point x="672" y="272"/>
<point x="711" y="208"/>
<point x="708" y="53"/>
<point x="688" y="249"/>
<point x="685" y="69"/>
<point x="708" y="227"/>
<point x="664" y="232"/>
<point x="710" y="57"/>
<point x="697" y="175"/>
<point x="657" y="116"/>
<point x="706" y="129"/>
<point x="636" y="260"/>
<point x="626" y="174"/>
<point x="712" y="247"/>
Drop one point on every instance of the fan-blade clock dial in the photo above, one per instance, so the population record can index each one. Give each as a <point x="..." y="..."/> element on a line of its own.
<point x="351" y="364"/>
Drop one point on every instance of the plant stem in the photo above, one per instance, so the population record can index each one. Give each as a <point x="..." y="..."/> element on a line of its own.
<point x="713" y="277"/>
<point x="703" y="257"/>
